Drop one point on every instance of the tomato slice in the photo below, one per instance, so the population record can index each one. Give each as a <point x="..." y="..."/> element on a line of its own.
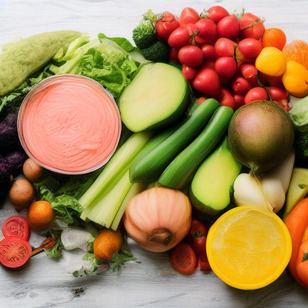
<point x="183" y="259"/>
<point x="14" y="251"/>
<point x="16" y="226"/>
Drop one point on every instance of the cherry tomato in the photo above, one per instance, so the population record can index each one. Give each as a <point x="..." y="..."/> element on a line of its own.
<point x="251" y="26"/>
<point x="209" y="52"/>
<point x="240" y="85"/>
<point x="225" y="47"/>
<point x="216" y="13"/>
<point x="281" y="96"/>
<point x="207" y="82"/>
<point x="188" y="16"/>
<point x="14" y="251"/>
<point x="226" y="66"/>
<point x="250" y="73"/>
<point x="255" y="94"/>
<point x="16" y="226"/>
<point x="166" y="25"/>
<point x="207" y="30"/>
<point x="227" y="99"/>
<point x="183" y="259"/>
<point x="250" y="47"/>
<point x="239" y="100"/>
<point x="228" y="27"/>
<point x="173" y="56"/>
<point x="190" y="55"/>
<point x="198" y="233"/>
<point x="189" y="72"/>
<point x="178" y="38"/>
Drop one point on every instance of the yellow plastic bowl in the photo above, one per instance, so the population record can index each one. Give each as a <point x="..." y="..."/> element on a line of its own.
<point x="248" y="247"/>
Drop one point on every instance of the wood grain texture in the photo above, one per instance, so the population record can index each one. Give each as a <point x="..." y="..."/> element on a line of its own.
<point x="152" y="283"/>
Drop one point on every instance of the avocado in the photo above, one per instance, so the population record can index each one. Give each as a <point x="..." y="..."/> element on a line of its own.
<point x="157" y="97"/>
<point x="211" y="186"/>
<point x="298" y="189"/>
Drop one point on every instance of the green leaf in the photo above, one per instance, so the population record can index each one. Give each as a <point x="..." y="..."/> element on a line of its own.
<point x="120" y="258"/>
<point x="305" y="257"/>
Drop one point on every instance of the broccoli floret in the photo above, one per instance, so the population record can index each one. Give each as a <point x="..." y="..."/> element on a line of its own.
<point x="158" y="52"/>
<point x="144" y="35"/>
<point x="301" y="148"/>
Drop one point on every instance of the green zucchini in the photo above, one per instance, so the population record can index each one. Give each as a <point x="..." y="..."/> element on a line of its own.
<point x="181" y="169"/>
<point x="150" y="164"/>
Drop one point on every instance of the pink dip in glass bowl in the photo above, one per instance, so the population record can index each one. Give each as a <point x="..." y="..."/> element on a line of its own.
<point x="69" y="124"/>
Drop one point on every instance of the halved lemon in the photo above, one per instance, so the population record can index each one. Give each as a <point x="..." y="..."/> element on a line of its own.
<point x="248" y="247"/>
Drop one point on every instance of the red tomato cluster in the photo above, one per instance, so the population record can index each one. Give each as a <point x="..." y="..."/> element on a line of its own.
<point x="217" y="51"/>
<point x="190" y="254"/>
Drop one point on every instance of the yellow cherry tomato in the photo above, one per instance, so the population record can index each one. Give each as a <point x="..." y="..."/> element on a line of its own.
<point x="271" y="61"/>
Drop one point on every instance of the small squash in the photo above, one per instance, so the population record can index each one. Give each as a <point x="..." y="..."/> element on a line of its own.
<point x="158" y="218"/>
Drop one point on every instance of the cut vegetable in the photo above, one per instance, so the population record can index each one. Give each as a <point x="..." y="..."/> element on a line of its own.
<point x="14" y="251"/>
<point x="16" y="226"/>
<point x="180" y="171"/>
<point x="211" y="186"/>
<point x="149" y="165"/>
<point x="157" y="97"/>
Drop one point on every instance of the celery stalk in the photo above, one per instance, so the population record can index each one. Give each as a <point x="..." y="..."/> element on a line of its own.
<point x="103" y="212"/>
<point x="114" y="169"/>
<point x="135" y="189"/>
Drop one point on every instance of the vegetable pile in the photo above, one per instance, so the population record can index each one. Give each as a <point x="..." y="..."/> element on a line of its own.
<point x="214" y="113"/>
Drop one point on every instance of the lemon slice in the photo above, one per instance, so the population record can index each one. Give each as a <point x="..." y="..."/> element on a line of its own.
<point x="248" y="247"/>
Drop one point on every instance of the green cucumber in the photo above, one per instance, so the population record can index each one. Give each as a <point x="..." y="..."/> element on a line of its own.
<point x="149" y="165"/>
<point x="157" y="97"/>
<point x="181" y="169"/>
<point x="211" y="186"/>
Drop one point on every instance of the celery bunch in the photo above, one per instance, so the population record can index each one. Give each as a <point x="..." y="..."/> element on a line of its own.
<point x="105" y="200"/>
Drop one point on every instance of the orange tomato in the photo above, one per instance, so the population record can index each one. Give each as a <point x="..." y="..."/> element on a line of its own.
<point x="40" y="215"/>
<point x="274" y="37"/>
<point x="107" y="243"/>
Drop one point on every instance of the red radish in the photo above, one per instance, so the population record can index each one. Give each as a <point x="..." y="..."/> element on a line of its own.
<point x="183" y="259"/>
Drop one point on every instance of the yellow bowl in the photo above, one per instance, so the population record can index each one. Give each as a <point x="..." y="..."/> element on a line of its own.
<point x="248" y="247"/>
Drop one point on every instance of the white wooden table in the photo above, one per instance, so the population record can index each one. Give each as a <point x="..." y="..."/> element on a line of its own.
<point x="152" y="283"/>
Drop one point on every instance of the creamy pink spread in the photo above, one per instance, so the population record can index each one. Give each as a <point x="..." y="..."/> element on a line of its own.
<point x="71" y="124"/>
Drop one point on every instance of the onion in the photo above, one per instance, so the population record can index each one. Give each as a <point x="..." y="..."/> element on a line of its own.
<point x="158" y="218"/>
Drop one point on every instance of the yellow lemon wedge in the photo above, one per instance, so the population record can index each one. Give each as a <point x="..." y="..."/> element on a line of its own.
<point x="248" y="247"/>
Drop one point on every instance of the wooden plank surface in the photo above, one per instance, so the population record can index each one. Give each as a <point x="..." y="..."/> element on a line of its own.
<point x="151" y="283"/>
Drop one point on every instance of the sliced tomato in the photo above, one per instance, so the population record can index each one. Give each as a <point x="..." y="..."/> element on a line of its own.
<point x="14" y="251"/>
<point x="16" y="226"/>
<point x="183" y="259"/>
